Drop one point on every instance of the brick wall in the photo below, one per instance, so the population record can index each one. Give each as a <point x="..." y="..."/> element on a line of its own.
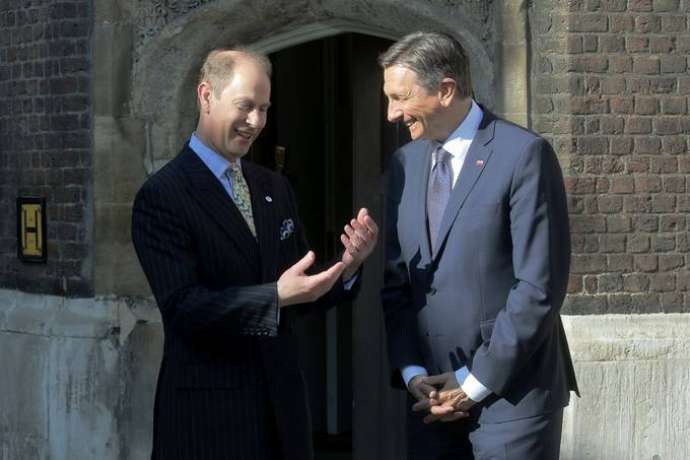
<point x="45" y="139"/>
<point x="610" y="86"/>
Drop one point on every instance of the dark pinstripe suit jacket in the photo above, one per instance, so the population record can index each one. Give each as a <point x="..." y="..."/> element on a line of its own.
<point x="229" y="386"/>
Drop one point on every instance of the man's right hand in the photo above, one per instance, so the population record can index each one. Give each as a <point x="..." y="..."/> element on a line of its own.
<point x="421" y="390"/>
<point x="295" y="286"/>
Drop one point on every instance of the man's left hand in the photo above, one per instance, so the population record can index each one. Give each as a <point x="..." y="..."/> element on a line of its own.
<point x="359" y="239"/>
<point x="449" y="403"/>
<point x="452" y="405"/>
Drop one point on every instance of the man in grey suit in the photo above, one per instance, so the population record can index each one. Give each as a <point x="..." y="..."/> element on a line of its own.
<point x="477" y="260"/>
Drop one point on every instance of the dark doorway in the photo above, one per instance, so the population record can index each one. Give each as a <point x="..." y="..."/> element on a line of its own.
<point x="328" y="134"/>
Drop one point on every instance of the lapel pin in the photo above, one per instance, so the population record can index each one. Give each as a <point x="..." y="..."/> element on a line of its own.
<point x="479" y="163"/>
<point x="269" y="199"/>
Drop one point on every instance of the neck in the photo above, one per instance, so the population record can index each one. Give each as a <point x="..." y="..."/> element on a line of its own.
<point x="458" y="111"/>
<point x="204" y="136"/>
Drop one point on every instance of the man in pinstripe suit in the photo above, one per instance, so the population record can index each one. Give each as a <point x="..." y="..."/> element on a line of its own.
<point x="224" y="251"/>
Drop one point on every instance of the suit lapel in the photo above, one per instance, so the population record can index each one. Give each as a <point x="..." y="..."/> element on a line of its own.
<point x="477" y="157"/>
<point x="422" y="163"/>
<point x="264" y="208"/>
<point x="205" y="188"/>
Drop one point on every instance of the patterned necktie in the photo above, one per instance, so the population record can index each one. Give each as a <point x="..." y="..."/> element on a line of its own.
<point x="241" y="196"/>
<point x="440" y="184"/>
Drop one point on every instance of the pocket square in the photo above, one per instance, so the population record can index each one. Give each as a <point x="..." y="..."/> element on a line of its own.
<point x="286" y="229"/>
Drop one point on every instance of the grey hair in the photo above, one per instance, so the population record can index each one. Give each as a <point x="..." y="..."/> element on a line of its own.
<point x="433" y="56"/>
<point x="218" y="67"/>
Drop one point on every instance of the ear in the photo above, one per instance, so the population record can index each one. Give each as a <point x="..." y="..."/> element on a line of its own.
<point x="447" y="90"/>
<point x="204" y="93"/>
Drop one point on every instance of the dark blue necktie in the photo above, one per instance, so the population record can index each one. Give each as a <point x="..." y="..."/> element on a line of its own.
<point x="440" y="185"/>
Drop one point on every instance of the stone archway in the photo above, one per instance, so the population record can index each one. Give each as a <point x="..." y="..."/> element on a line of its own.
<point x="163" y="77"/>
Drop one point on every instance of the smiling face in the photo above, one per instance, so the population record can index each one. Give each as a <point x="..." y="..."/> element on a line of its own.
<point x="230" y="121"/>
<point x="421" y="110"/>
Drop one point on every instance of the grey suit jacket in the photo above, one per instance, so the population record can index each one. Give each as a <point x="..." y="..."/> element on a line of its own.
<point x="489" y="298"/>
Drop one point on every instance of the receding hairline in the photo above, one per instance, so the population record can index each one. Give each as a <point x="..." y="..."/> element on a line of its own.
<point x="219" y="64"/>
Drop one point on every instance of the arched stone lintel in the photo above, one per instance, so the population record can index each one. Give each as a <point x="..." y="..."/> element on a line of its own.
<point x="163" y="76"/>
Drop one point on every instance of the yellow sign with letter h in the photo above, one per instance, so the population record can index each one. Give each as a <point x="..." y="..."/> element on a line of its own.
<point x="32" y="238"/>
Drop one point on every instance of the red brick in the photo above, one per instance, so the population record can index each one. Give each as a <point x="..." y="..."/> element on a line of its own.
<point x="622" y="185"/>
<point x="620" y="64"/>
<point x="621" y="145"/>
<point x="635" y="282"/>
<point x="648" y="65"/>
<point x="675" y="145"/>
<point x="646" y="223"/>
<point x="622" y="23"/>
<point x="648" y="24"/>
<point x="646" y="263"/>
<point x="662" y="243"/>
<point x="672" y="223"/>
<point x="621" y="104"/>
<point x="595" y="64"/>
<point x="613" y="85"/>
<point x="674" y="105"/>
<point x="592" y="145"/>
<point x="612" y="125"/>
<point x="674" y="184"/>
<point x="637" y="164"/>
<point x="646" y="105"/>
<point x="665" y="6"/>
<point x="663" y="203"/>
<point x="588" y="264"/>
<point x="647" y="184"/>
<point x="638" y="243"/>
<point x="662" y="282"/>
<point x="647" y="145"/>
<point x="640" y="5"/>
<point x="618" y="224"/>
<point x="664" y="165"/>
<point x="588" y="22"/>
<point x="662" y="85"/>
<point x="637" y="44"/>
<point x="683" y="44"/>
<point x="673" y="64"/>
<point x="620" y="262"/>
<point x="667" y="125"/>
<point x="639" y="125"/>
<point x="661" y="45"/>
<point x="671" y="24"/>
<point x="587" y="224"/>
<point x="637" y="85"/>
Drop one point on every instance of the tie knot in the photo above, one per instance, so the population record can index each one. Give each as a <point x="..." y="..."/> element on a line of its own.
<point x="441" y="156"/>
<point x="233" y="170"/>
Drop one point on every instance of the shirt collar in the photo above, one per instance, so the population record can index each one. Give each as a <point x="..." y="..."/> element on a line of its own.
<point x="214" y="161"/>
<point x="457" y="142"/>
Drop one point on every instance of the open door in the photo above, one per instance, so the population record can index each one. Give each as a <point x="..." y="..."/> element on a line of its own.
<point x="327" y="133"/>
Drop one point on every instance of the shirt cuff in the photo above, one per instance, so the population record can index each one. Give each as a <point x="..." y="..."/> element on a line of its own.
<point x="474" y="389"/>
<point x="347" y="285"/>
<point x="461" y="374"/>
<point x="410" y="372"/>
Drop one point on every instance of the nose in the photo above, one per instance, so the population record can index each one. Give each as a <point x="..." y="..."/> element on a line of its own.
<point x="394" y="111"/>
<point x="256" y="118"/>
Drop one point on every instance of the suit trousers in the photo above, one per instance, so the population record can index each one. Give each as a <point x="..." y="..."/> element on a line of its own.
<point x="531" y="438"/>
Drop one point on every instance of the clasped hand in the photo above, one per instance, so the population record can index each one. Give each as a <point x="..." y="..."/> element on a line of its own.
<point x="296" y="286"/>
<point x="440" y="396"/>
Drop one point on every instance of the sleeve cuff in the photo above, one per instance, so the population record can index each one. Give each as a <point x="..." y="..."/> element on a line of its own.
<point x="347" y="285"/>
<point x="410" y="372"/>
<point x="474" y="389"/>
